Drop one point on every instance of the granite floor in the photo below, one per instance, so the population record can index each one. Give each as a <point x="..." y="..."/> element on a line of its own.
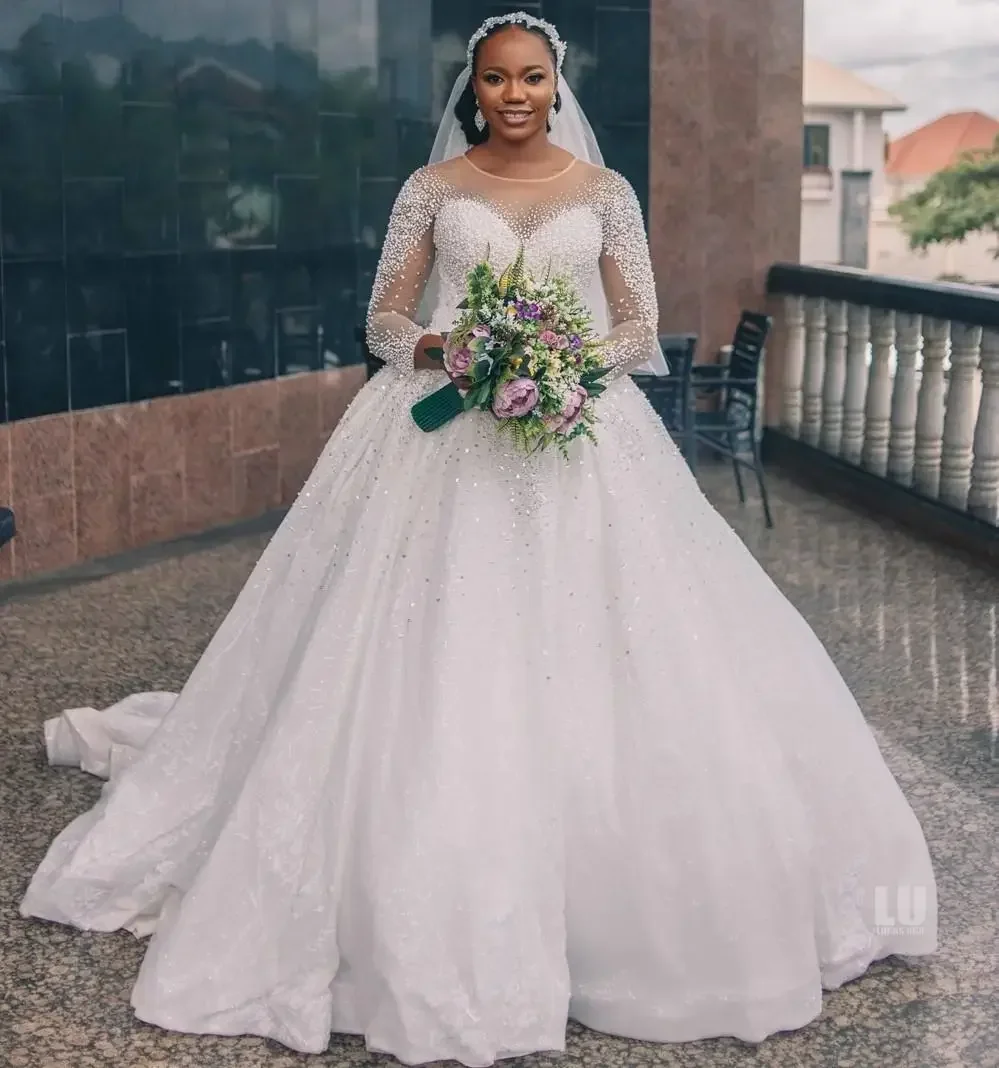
<point x="912" y="627"/>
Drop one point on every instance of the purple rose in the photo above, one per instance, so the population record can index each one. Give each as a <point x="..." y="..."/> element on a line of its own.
<point x="458" y="361"/>
<point x="571" y="413"/>
<point x="575" y="342"/>
<point x="481" y="331"/>
<point x="515" y="398"/>
<point x="528" y="309"/>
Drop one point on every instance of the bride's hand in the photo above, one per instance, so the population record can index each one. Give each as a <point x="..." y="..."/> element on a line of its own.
<point x="423" y="362"/>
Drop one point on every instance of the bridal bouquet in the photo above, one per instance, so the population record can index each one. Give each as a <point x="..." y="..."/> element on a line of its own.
<point x="526" y="353"/>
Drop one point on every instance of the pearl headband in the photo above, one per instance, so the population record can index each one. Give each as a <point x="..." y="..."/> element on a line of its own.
<point x="519" y="18"/>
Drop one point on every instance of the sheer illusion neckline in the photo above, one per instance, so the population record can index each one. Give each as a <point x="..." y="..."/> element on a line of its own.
<point x="501" y="178"/>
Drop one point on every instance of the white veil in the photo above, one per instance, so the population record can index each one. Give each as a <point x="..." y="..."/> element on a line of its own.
<point x="571" y="130"/>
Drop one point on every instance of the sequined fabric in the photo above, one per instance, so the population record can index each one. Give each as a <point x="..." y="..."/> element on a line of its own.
<point x="584" y="223"/>
<point x="487" y="741"/>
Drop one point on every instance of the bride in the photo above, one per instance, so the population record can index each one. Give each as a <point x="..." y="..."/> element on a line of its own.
<point x="487" y="742"/>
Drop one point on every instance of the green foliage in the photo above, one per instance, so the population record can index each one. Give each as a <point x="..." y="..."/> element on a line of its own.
<point x="512" y="279"/>
<point x="519" y="430"/>
<point x="481" y="286"/>
<point x="478" y="396"/>
<point x="959" y="201"/>
<point x="591" y="380"/>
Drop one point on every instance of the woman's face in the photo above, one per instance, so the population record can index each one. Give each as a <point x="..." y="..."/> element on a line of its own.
<point x="515" y="83"/>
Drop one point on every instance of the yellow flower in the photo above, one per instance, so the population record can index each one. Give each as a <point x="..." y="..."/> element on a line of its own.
<point x="511" y="311"/>
<point x="516" y="362"/>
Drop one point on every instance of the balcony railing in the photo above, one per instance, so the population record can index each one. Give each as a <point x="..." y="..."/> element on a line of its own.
<point x="898" y="378"/>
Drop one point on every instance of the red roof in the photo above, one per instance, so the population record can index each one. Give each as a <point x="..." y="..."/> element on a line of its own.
<point x="940" y="143"/>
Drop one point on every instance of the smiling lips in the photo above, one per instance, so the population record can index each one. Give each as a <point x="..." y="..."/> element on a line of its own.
<point x="515" y="117"/>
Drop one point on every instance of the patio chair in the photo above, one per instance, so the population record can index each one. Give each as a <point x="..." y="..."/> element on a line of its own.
<point x="371" y="362"/>
<point x="671" y="395"/>
<point x="730" y="429"/>
<point x="7" y="527"/>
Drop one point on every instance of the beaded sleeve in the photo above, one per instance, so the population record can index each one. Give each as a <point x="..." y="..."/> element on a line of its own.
<point x="626" y="269"/>
<point x="403" y="269"/>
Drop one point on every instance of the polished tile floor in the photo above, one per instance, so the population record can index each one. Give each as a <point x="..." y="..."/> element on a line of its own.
<point x="912" y="627"/>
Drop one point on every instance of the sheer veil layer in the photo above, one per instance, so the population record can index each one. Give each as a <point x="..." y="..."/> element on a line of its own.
<point x="572" y="131"/>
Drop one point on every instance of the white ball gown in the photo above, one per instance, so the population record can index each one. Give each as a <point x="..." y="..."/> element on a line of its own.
<point x="487" y="742"/>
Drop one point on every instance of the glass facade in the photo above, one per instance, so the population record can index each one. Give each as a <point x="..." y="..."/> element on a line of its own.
<point x="193" y="192"/>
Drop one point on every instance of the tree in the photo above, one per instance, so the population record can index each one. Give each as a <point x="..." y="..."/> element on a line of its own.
<point x="959" y="201"/>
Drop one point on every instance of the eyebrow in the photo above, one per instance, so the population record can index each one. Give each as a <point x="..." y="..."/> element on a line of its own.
<point x="503" y="70"/>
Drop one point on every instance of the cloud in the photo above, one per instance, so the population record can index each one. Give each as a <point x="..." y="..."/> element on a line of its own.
<point x="936" y="56"/>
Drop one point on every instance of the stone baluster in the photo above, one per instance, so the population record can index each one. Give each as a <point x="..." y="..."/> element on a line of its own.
<point x="961" y="416"/>
<point x="904" y="398"/>
<point x="930" y="410"/>
<point x="857" y="341"/>
<point x="815" y="352"/>
<point x="983" y="498"/>
<point x="877" y="428"/>
<point x="834" y="377"/>
<point x="794" y="365"/>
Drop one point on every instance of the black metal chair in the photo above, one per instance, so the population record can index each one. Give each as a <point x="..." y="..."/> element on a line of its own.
<point x="7" y="526"/>
<point x="371" y="362"/>
<point x="730" y="429"/>
<point x="671" y="395"/>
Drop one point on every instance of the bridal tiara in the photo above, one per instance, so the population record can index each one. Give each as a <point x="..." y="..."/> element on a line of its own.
<point x="519" y="18"/>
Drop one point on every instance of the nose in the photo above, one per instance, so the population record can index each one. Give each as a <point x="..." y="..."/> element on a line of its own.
<point x="514" y="93"/>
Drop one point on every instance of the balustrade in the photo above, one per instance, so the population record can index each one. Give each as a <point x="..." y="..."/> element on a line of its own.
<point x="899" y="378"/>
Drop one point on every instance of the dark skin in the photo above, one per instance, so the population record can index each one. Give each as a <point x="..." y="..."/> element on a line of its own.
<point x="515" y="84"/>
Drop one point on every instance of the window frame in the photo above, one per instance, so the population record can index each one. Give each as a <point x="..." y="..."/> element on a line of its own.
<point x="809" y="131"/>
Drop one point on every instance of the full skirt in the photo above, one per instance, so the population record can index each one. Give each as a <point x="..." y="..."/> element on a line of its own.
<point x="487" y="742"/>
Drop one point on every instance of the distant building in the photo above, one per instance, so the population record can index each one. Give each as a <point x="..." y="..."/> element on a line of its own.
<point x="912" y="161"/>
<point x="844" y="161"/>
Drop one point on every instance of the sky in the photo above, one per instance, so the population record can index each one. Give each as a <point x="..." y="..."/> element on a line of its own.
<point x="934" y="55"/>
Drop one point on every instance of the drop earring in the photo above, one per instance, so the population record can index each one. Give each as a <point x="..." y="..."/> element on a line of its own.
<point x="480" y="120"/>
<point x="552" y="113"/>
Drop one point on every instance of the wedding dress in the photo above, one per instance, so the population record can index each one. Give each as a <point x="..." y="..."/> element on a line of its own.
<point x="488" y="741"/>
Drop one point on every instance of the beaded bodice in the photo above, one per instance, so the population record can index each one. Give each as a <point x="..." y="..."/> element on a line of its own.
<point x="584" y="222"/>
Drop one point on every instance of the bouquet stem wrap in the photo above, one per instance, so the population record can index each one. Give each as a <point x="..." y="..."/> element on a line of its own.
<point x="439" y="408"/>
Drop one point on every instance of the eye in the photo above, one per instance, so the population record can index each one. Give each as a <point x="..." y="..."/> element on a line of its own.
<point x="492" y="78"/>
<point x="535" y="78"/>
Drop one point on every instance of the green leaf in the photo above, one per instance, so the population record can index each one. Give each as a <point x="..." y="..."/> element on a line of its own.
<point x="435" y="352"/>
<point x="464" y="305"/>
<point x="596" y="374"/>
<point x="481" y="370"/>
<point x="477" y="396"/>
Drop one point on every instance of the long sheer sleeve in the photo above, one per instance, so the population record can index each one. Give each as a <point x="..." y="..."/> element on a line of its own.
<point x="403" y="269"/>
<point x="626" y="269"/>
